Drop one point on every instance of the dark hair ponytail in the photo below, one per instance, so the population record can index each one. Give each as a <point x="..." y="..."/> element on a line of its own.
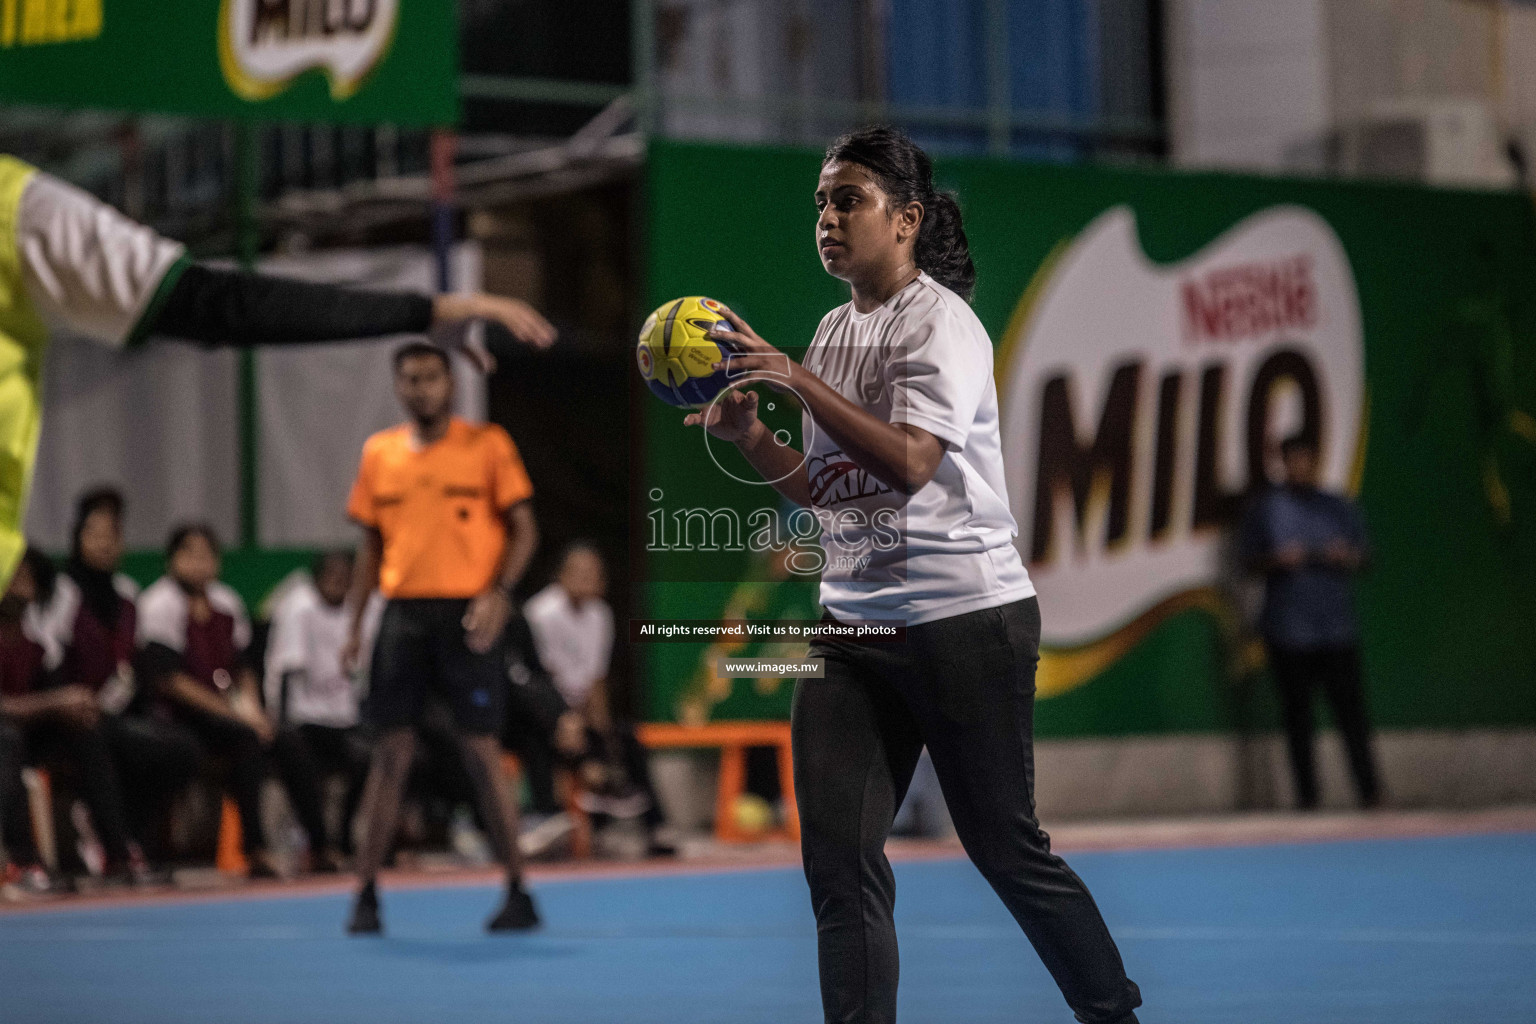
<point x="904" y="172"/>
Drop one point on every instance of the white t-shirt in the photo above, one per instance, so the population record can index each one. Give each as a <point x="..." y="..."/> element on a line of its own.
<point x="924" y="359"/>
<point x="575" y="644"/>
<point x="307" y="636"/>
<point x="87" y="267"/>
<point x="164" y="609"/>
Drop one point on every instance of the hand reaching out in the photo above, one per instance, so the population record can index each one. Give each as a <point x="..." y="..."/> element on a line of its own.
<point x="521" y="320"/>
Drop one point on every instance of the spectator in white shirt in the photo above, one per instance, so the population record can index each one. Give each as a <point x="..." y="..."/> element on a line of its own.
<point x="572" y="628"/>
<point x="315" y="705"/>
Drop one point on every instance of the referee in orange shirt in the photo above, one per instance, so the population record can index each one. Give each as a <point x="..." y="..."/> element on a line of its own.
<point x="448" y="531"/>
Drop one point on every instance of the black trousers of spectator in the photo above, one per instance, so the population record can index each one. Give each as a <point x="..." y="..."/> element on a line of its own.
<point x="306" y="754"/>
<point x="15" y="816"/>
<point x="237" y="750"/>
<point x="965" y="687"/>
<point x="637" y="762"/>
<point x="623" y="748"/>
<point x="1299" y="674"/>
<point x="439" y="779"/>
<point x="528" y="731"/>
<point x="83" y="756"/>
<point x="156" y="759"/>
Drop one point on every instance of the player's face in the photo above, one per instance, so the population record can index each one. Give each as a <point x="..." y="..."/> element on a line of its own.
<point x="858" y="234"/>
<point x="101" y="541"/>
<point x="335" y="579"/>
<point x="425" y="387"/>
<point x="195" y="564"/>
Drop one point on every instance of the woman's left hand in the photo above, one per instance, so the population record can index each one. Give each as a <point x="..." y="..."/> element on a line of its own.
<point x="754" y="359"/>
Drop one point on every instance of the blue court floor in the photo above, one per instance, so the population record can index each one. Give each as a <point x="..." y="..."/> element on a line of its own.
<point x="1422" y="931"/>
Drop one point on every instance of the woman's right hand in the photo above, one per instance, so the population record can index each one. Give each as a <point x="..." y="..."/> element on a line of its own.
<point x="732" y="418"/>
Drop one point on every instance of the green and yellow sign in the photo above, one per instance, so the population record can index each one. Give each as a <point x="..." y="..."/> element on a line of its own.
<point x="358" y="61"/>
<point x="1159" y="334"/>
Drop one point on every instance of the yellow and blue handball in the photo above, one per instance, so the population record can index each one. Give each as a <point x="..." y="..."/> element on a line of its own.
<point x="676" y="354"/>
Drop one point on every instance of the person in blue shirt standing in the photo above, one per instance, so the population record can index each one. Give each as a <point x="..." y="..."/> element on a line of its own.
<point x="1309" y="545"/>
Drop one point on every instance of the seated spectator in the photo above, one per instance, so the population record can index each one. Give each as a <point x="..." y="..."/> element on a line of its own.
<point x="58" y="725"/>
<point x="534" y="707"/>
<point x="572" y="628"/>
<point x="314" y="703"/>
<point x="194" y="631"/>
<point x="24" y="874"/>
<point x="92" y="619"/>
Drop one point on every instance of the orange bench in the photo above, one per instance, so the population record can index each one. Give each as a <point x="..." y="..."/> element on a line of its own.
<point x="733" y="739"/>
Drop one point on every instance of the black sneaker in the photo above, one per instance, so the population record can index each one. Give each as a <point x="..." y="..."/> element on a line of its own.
<point x="326" y="862"/>
<point x="516" y="915"/>
<point x="365" y="914"/>
<point x="260" y="867"/>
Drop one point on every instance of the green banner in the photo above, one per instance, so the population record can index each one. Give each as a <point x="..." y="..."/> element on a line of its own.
<point x="1158" y="335"/>
<point x="355" y="61"/>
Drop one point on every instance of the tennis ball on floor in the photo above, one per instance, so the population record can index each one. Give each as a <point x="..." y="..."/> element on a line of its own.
<point x="753" y="814"/>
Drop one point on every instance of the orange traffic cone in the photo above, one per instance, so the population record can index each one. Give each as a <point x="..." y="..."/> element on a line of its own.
<point x="230" y="858"/>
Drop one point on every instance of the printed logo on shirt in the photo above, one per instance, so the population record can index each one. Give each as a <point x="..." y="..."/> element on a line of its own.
<point x="265" y="44"/>
<point x="1140" y="402"/>
<point x="834" y="478"/>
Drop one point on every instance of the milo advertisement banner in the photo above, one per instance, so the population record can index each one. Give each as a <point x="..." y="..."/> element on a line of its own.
<point x="1141" y="402"/>
<point x="1158" y="336"/>
<point x="359" y="61"/>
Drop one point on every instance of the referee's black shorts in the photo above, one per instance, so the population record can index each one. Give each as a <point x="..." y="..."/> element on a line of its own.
<point x="421" y="649"/>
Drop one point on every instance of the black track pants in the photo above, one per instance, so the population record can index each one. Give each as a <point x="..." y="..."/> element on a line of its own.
<point x="965" y="687"/>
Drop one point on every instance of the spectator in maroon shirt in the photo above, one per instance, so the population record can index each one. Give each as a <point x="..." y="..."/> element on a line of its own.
<point x="24" y="871"/>
<point x="93" y="620"/>
<point x="195" y="632"/>
<point x="60" y="724"/>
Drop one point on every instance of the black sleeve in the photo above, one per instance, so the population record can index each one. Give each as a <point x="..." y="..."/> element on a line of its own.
<point x="225" y="308"/>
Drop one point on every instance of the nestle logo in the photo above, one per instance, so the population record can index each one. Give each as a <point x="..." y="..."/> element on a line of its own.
<point x="1250" y="300"/>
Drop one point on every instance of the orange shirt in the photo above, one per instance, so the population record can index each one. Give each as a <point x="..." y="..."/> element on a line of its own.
<point x="440" y="508"/>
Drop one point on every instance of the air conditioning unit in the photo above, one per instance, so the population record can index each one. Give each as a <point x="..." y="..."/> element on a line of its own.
<point x="1437" y="141"/>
